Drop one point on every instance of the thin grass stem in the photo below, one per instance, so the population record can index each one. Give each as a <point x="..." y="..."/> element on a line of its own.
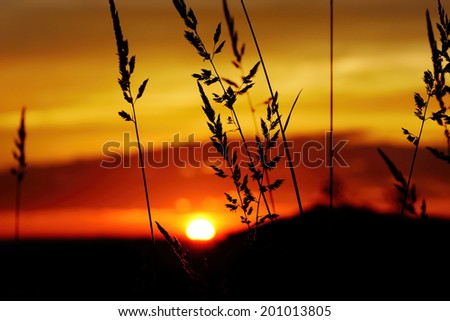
<point x="126" y="69"/>
<point x="19" y="171"/>
<point x="416" y="149"/>
<point x="144" y="178"/>
<point x="331" y="103"/>
<point x="17" y="214"/>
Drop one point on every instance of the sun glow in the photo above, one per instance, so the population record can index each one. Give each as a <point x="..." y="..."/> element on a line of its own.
<point x="201" y="230"/>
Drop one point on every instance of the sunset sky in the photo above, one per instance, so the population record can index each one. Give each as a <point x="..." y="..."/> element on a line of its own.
<point x="58" y="58"/>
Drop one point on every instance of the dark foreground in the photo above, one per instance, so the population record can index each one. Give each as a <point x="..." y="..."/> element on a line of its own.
<point x="351" y="255"/>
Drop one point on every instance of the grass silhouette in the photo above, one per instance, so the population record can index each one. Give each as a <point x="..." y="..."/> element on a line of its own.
<point x="126" y="69"/>
<point x="244" y="196"/>
<point x="19" y="171"/>
<point x="435" y="80"/>
<point x="276" y="110"/>
<point x="196" y="277"/>
<point x="343" y="256"/>
<point x="407" y="194"/>
<point x="331" y="179"/>
<point x="435" y="87"/>
<point x="239" y="53"/>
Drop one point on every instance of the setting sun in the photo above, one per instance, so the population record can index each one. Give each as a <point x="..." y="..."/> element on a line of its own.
<point x="200" y="229"/>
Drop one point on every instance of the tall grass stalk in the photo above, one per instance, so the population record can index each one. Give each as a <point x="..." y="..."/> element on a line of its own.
<point x="228" y="98"/>
<point x="280" y="124"/>
<point x="246" y="147"/>
<point x="182" y="253"/>
<point x="413" y="162"/>
<point x="19" y="171"/>
<point x="408" y="194"/>
<point x="436" y="87"/>
<point x="331" y="192"/>
<point x="441" y="67"/>
<point x="126" y="68"/>
<point x="239" y="52"/>
<point x="421" y="112"/>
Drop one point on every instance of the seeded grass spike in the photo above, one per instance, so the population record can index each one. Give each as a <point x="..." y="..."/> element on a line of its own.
<point x="248" y="198"/>
<point x="441" y="67"/>
<point x="435" y="87"/>
<point x="238" y="52"/>
<point x="280" y="123"/>
<point x="126" y="69"/>
<point x="404" y="191"/>
<point x="228" y="97"/>
<point x="182" y="253"/>
<point x="19" y="171"/>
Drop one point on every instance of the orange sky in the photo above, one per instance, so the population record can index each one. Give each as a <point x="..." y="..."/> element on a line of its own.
<point x="58" y="58"/>
<point x="84" y="199"/>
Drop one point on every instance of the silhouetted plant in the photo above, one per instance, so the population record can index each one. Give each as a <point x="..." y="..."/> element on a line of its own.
<point x="182" y="254"/>
<point x="19" y="171"/>
<point x="244" y="196"/>
<point x="435" y="87"/>
<point x="239" y="52"/>
<point x="421" y="111"/>
<point x="441" y="67"/>
<point x="126" y="69"/>
<point x="277" y="113"/>
<point x="407" y="196"/>
<point x="331" y="132"/>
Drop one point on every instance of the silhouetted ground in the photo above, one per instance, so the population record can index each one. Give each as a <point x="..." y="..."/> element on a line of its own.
<point x="350" y="255"/>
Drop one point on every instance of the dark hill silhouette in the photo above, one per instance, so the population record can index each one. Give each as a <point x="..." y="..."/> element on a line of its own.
<point x="353" y="254"/>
